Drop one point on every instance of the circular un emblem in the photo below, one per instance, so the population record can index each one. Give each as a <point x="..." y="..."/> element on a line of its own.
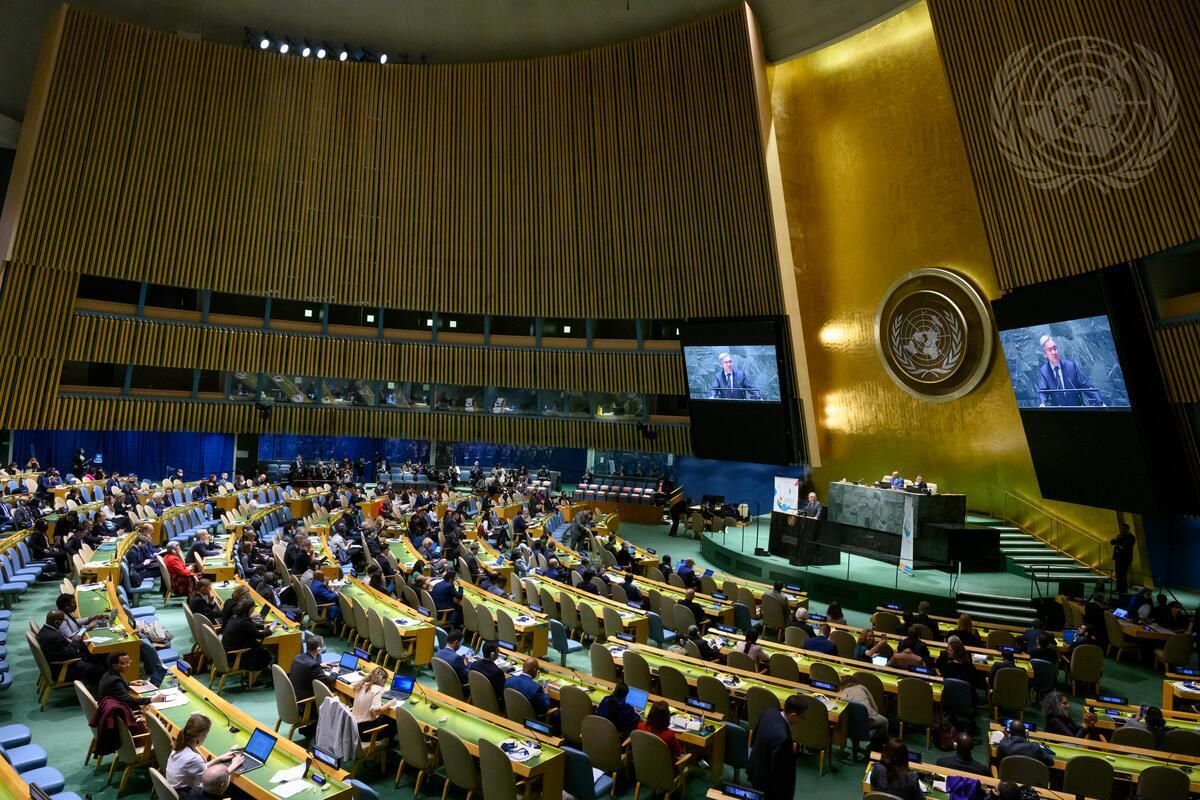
<point x="1084" y="110"/>
<point x="934" y="334"/>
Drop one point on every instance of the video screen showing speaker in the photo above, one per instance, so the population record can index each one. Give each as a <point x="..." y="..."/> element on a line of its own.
<point x="1069" y="363"/>
<point x="740" y="390"/>
<point x="1092" y="401"/>
<point x="726" y="372"/>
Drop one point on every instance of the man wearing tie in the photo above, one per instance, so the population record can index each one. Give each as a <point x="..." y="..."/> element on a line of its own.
<point x="730" y="383"/>
<point x="1058" y="376"/>
<point x="812" y="509"/>
<point x="896" y="481"/>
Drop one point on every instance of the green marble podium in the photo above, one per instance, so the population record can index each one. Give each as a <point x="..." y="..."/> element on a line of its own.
<point x="883" y="509"/>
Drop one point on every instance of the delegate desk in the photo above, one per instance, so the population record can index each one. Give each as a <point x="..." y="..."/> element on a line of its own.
<point x="933" y="779"/>
<point x="1127" y="762"/>
<point x="737" y="681"/>
<point x="708" y="741"/>
<point x="714" y="609"/>
<point x="1110" y="716"/>
<point x="635" y="623"/>
<point x="871" y="520"/>
<point x="532" y="627"/>
<point x="285" y="638"/>
<point x="416" y="631"/>
<point x="105" y="563"/>
<point x="12" y="785"/>
<point x="1179" y="688"/>
<point x="888" y="676"/>
<point x="199" y="699"/>
<point x="435" y="711"/>
<point x="120" y="637"/>
<point x="946" y="626"/>
<point x="983" y="657"/>
<point x="733" y="586"/>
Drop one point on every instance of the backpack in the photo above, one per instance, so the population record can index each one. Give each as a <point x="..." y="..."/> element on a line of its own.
<point x="959" y="787"/>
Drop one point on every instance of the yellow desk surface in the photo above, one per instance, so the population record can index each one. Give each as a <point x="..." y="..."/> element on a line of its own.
<point x="635" y="623"/>
<point x="121" y="638"/>
<point x="413" y="627"/>
<point x="286" y="636"/>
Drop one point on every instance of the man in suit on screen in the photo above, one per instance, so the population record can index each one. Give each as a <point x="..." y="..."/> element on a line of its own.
<point x="730" y="383"/>
<point x="1058" y="376"/>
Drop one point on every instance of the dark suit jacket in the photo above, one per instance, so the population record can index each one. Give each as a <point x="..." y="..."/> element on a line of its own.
<point x="113" y="685"/>
<point x="57" y="647"/>
<point x="742" y="388"/>
<point x="963" y="765"/>
<point x="306" y="669"/>
<point x="1073" y="378"/>
<point x="1023" y="747"/>
<point x="773" y="758"/>
<point x="494" y="674"/>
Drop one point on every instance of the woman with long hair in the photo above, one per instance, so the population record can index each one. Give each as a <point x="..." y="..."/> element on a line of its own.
<point x="367" y="708"/>
<point x="892" y="774"/>
<point x="658" y="722"/>
<point x="1057" y="710"/>
<point x="186" y="764"/>
<point x="204" y="601"/>
<point x="752" y="648"/>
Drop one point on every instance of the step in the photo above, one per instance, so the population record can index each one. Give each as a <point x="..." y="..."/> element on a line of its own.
<point x="1026" y="550"/>
<point x="1041" y="558"/>
<point x="994" y="601"/>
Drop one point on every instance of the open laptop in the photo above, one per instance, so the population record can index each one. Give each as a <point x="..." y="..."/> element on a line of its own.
<point x="347" y="663"/>
<point x="402" y="686"/>
<point x="257" y="751"/>
<point x="637" y="698"/>
<point x="1120" y="613"/>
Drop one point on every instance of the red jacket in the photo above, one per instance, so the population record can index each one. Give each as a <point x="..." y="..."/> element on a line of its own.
<point x="110" y="710"/>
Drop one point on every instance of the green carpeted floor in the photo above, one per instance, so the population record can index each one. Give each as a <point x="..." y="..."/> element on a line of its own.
<point x="60" y="728"/>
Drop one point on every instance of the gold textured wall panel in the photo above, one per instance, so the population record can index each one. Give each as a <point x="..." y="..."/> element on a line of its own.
<point x="877" y="185"/>
<point x="1038" y="234"/>
<point x="624" y="181"/>
<point x="1178" y="348"/>
<point x="166" y="344"/>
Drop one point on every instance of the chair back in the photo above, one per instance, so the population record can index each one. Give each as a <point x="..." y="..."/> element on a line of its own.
<point x="603" y="665"/>
<point x="676" y="581"/>
<point x="674" y="685"/>
<point x="87" y="703"/>
<point x="285" y="696"/>
<point x="549" y="605"/>
<point x="1116" y="634"/>
<point x="794" y="636"/>
<point x="997" y="639"/>
<point x="618" y="593"/>
<point x="468" y="610"/>
<point x="812" y="730"/>
<point x="160" y="741"/>
<point x="578" y="779"/>
<point x="711" y="690"/>
<point x="1177" y="649"/>
<point x="127" y="753"/>
<point x="914" y="702"/>
<point x="506" y="628"/>
<point x="162" y="790"/>
<point x="1088" y="776"/>
<point x="758" y="700"/>
<point x="602" y="743"/>
<point x="496" y="772"/>
<point x="613" y="624"/>
<point x="590" y="622"/>
<point x="1087" y="663"/>
<point x="844" y="642"/>
<point x="1183" y="742"/>
<point x="958" y="699"/>
<point x="820" y="671"/>
<point x="483" y="694"/>
<point x="652" y="762"/>
<point x="1025" y="770"/>
<point x="414" y="749"/>
<point x="637" y="671"/>
<point x="782" y="665"/>
<point x="1134" y="737"/>
<point x="1163" y="783"/>
<point x="517" y="706"/>
<point x="212" y="648"/>
<point x="447" y="679"/>
<point x="568" y="611"/>
<point x="774" y="612"/>
<point x="1010" y="689"/>
<point x="574" y="705"/>
<point x="485" y="624"/>
<point x="684" y="618"/>
<point x="1044" y="675"/>
<point x="460" y="767"/>
<point x="739" y="660"/>
<point x="321" y="692"/>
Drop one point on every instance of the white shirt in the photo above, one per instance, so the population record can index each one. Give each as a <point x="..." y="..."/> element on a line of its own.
<point x="364" y="702"/>
<point x="185" y="769"/>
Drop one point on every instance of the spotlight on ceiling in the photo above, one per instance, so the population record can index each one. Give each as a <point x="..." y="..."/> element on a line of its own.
<point x="322" y="50"/>
<point x="383" y="58"/>
<point x="264" y="41"/>
<point x="284" y="46"/>
<point x="306" y="50"/>
<point x="344" y="53"/>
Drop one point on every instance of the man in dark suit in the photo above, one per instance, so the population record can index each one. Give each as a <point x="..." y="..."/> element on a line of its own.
<point x="487" y="667"/>
<point x="449" y="653"/>
<point x="307" y="667"/>
<point x="962" y="759"/>
<point x="1058" y="376"/>
<point x="812" y="509"/>
<point x="58" y="648"/>
<point x="730" y="383"/>
<point x="1015" y="744"/>
<point x="773" y="758"/>
<point x="447" y="597"/>
<point x="1123" y="546"/>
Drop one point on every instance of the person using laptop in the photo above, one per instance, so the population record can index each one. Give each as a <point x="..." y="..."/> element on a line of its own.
<point x="450" y="654"/>
<point x="619" y="712"/>
<point x="186" y="766"/>
<point x="367" y="708"/>
<point x="307" y="668"/>
<point x="114" y="685"/>
<point x="213" y="786"/>
<point x="525" y="682"/>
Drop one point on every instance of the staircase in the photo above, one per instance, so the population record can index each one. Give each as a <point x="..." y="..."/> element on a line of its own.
<point x="996" y="608"/>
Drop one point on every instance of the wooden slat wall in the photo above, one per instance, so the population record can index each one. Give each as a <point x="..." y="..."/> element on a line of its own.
<point x="1035" y="234"/>
<point x="1178" y="347"/>
<point x="165" y="415"/>
<point x="624" y="181"/>
<point x="167" y="344"/>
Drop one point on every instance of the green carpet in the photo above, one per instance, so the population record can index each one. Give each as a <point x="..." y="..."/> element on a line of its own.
<point x="62" y="731"/>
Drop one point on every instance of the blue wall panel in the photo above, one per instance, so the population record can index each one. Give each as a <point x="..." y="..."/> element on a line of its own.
<point x="738" y="481"/>
<point x="149" y="454"/>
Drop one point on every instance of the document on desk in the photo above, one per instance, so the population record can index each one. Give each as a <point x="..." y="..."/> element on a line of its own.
<point x="290" y="774"/>
<point x="290" y="788"/>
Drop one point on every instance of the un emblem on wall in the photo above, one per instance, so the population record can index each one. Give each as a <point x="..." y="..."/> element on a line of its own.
<point x="934" y="334"/>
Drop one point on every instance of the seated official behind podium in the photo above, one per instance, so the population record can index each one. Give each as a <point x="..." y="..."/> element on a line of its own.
<point x="896" y="481"/>
<point x="731" y="384"/>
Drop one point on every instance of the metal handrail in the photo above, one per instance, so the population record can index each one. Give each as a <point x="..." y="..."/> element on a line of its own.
<point x="1055" y="533"/>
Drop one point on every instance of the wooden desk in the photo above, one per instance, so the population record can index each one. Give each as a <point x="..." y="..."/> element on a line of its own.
<point x="983" y="658"/>
<point x="948" y="624"/>
<point x="415" y="628"/>
<point x="633" y="622"/>
<point x="935" y="777"/>
<point x="105" y="563"/>
<point x="888" y="676"/>
<point x="1174" y="690"/>
<point x="533" y="629"/>
<point x="719" y="610"/>
<point x="285" y="639"/>
<point x="1110" y="716"/>
<point x="285" y="755"/>
<point x="435" y="711"/>
<point x="1127" y="762"/>
<point x="796" y="599"/>
<point x="121" y="637"/>
<point x="709" y="741"/>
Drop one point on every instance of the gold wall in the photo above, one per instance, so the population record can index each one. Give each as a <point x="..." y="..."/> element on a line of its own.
<point x="877" y="185"/>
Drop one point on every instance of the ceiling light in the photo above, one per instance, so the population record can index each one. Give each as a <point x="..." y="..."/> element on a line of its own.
<point x="566" y="328"/>
<point x="321" y="51"/>
<point x="370" y="317"/>
<point x="306" y="51"/>
<point x="284" y="47"/>
<point x="383" y="58"/>
<point x="453" y="323"/>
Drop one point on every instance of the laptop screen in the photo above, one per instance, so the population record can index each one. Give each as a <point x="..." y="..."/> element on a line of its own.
<point x="637" y="698"/>
<point x="1120" y="613"/>
<point x="349" y="661"/>
<point x="879" y="661"/>
<point x="1069" y="635"/>
<point x="260" y="745"/>
<point x="708" y="573"/>
<point x="403" y="684"/>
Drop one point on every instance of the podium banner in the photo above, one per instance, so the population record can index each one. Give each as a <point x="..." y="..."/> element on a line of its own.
<point x="787" y="496"/>
<point x="905" y="564"/>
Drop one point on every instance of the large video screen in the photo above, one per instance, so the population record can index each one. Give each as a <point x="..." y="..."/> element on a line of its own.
<point x="728" y="372"/>
<point x="1067" y="364"/>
